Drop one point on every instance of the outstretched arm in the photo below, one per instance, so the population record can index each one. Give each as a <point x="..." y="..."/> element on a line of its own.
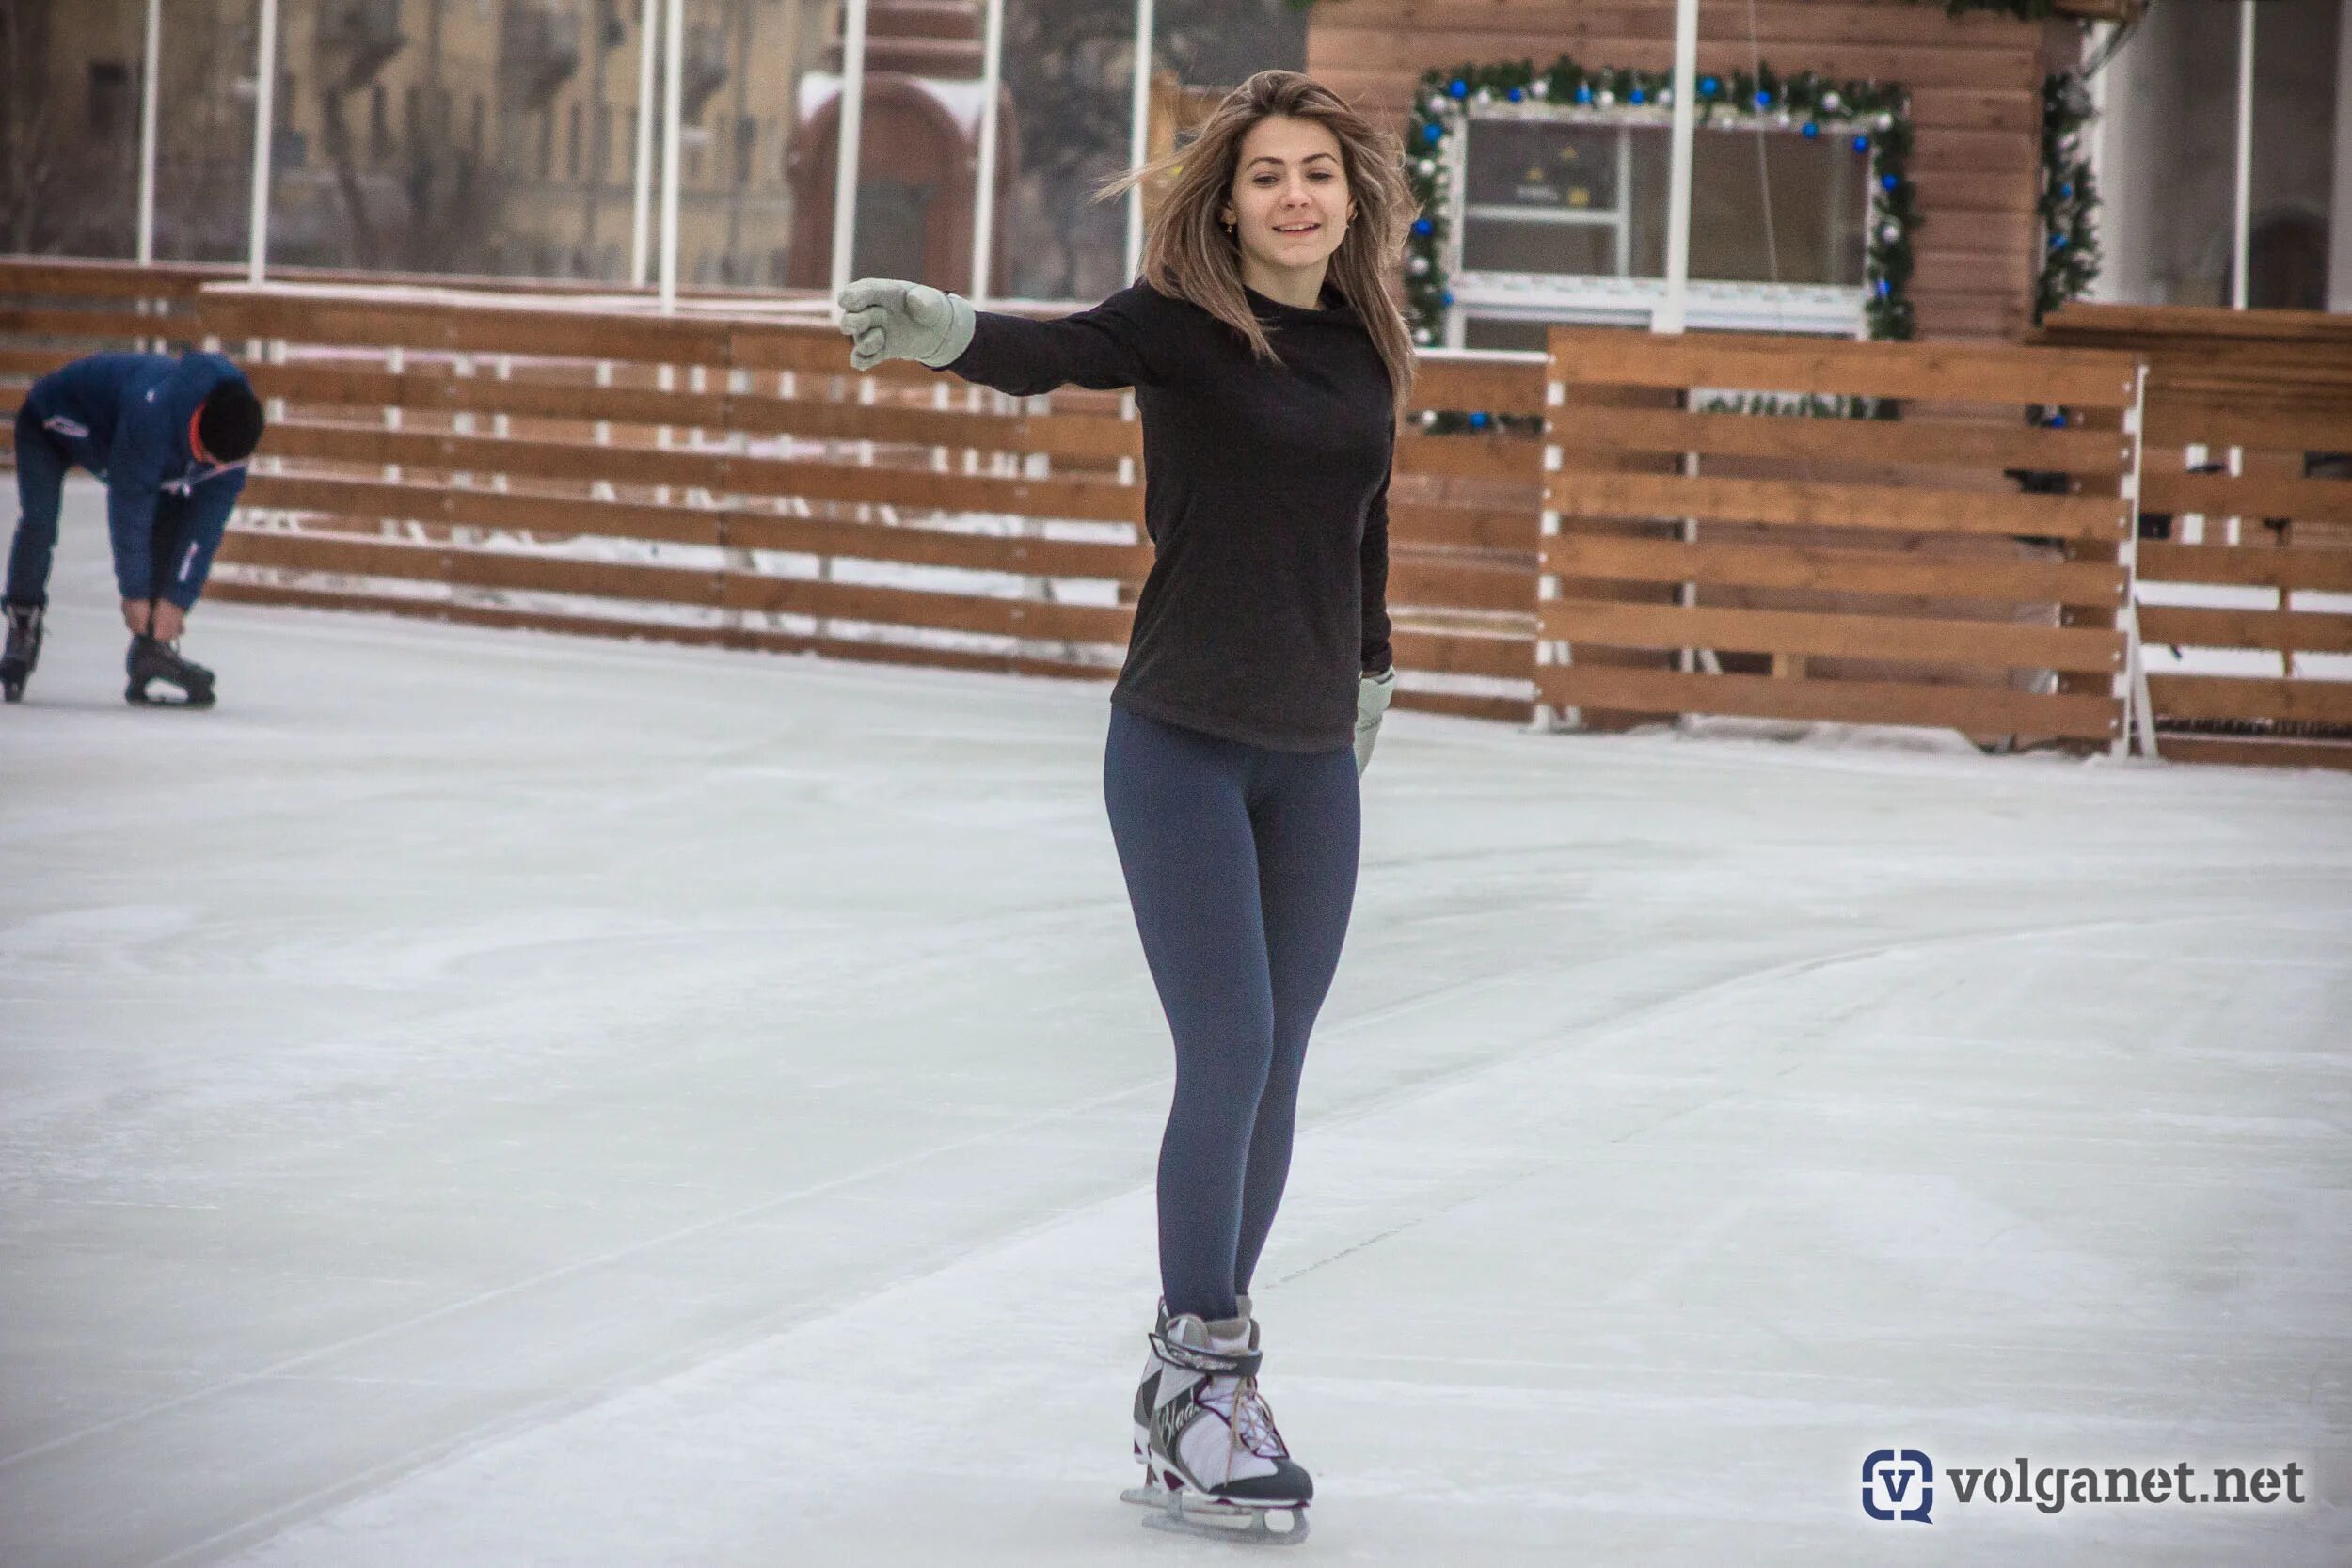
<point x="1109" y="345"/>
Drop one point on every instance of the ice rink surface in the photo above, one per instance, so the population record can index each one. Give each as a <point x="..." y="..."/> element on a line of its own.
<point x="480" y="1098"/>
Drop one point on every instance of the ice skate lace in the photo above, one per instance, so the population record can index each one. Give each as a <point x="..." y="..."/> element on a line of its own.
<point x="1248" y="1415"/>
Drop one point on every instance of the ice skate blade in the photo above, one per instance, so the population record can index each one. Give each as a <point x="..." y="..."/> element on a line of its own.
<point x="140" y="699"/>
<point x="1243" y="1525"/>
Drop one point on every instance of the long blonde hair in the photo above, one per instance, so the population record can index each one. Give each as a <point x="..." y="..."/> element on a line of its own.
<point x="1188" y="255"/>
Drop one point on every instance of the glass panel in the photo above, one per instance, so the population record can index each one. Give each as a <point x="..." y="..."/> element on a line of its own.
<point x="1591" y="200"/>
<point x="918" y="152"/>
<point x="1493" y="246"/>
<point x="1533" y="166"/>
<point x="1203" y="49"/>
<point x="1816" y="192"/>
<point x="69" y="81"/>
<point x="455" y="136"/>
<point x="1068" y="124"/>
<point x="204" y="119"/>
<point x="2169" y="150"/>
<point x="1487" y="332"/>
<point x="2294" y="173"/>
<point x="759" y="113"/>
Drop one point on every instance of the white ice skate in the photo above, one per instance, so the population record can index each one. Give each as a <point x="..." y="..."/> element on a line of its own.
<point x="1213" y="1463"/>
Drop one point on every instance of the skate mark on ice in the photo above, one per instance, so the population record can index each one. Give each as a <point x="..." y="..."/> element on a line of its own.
<point x="1641" y="1017"/>
<point x="585" y="1265"/>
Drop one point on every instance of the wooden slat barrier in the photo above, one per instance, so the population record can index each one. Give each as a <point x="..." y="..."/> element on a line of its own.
<point x="1866" y="571"/>
<point x="2244" y="571"/>
<point x="1462" y="511"/>
<point x="57" y="309"/>
<point x="438" y="453"/>
<point x="54" y="310"/>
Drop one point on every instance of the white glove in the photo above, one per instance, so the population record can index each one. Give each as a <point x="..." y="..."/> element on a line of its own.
<point x="1372" y="701"/>
<point x="887" y="317"/>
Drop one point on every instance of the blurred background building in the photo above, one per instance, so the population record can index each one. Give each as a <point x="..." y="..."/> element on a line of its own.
<point x="502" y="138"/>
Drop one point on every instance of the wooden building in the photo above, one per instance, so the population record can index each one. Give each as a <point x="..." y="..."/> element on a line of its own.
<point x="1975" y="84"/>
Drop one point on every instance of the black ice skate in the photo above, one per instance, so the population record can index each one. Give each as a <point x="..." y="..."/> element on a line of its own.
<point x="1215" y="1465"/>
<point x="22" y="652"/>
<point x="151" y="661"/>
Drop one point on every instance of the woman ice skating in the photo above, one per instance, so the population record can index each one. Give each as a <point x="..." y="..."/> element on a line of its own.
<point x="1269" y="366"/>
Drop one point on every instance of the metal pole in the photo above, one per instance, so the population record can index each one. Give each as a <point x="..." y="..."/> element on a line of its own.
<point x="2241" y="237"/>
<point x="1140" y="135"/>
<point x="2339" y="210"/>
<point x="984" y="200"/>
<point x="641" y="250"/>
<point x="264" y="105"/>
<point x="1669" y="316"/>
<point x="2138" y="710"/>
<point x="845" y="160"/>
<point x="146" y="133"/>
<point x="672" y="105"/>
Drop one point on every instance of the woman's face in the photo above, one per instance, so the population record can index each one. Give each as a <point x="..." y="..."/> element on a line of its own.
<point x="1288" y="203"/>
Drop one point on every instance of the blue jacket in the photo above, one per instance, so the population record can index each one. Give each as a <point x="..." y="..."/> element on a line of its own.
<point x="125" y="417"/>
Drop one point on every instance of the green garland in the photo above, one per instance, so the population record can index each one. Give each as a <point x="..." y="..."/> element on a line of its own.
<point x="1875" y="115"/>
<point x="2069" y="204"/>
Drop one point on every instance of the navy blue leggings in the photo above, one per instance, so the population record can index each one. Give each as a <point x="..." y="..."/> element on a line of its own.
<point x="1241" y="867"/>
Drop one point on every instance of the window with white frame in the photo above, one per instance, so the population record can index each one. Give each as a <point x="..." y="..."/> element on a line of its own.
<point x="1559" y="214"/>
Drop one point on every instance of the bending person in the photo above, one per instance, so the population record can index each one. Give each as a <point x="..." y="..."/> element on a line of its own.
<point x="170" y="438"/>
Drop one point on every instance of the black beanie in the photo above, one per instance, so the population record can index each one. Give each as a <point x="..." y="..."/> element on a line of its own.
<point x="229" y="423"/>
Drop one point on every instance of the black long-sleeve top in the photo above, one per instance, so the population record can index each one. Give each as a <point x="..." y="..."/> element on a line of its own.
<point x="1265" y="495"/>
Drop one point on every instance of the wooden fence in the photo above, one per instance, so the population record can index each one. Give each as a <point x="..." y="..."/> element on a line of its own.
<point x="1869" y="570"/>
<point x="56" y="311"/>
<point x="724" y="480"/>
<point x="53" y="308"/>
<point x="573" y="460"/>
<point x="2245" y="572"/>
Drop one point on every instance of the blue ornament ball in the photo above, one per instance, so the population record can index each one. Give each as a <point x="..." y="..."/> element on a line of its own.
<point x="1709" y="85"/>
<point x="1583" y="92"/>
<point x="2058" y="421"/>
<point x="1637" y="96"/>
<point x="1763" y="98"/>
<point x="2057" y="242"/>
<point x="1516" y="95"/>
<point x="1888" y="183"/>
<point x="1884" y="288"/>
<point x="2066" y="191"/>
<point x="1432" y="134"/>
<point x="1861" y="144"/>
<point x="1478" y="420"/>
<point x="1423" y="226"/>
<point x="1811" y="131"/>
<point x="1458" y="87"/>
<point x="1448" y="297"/>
